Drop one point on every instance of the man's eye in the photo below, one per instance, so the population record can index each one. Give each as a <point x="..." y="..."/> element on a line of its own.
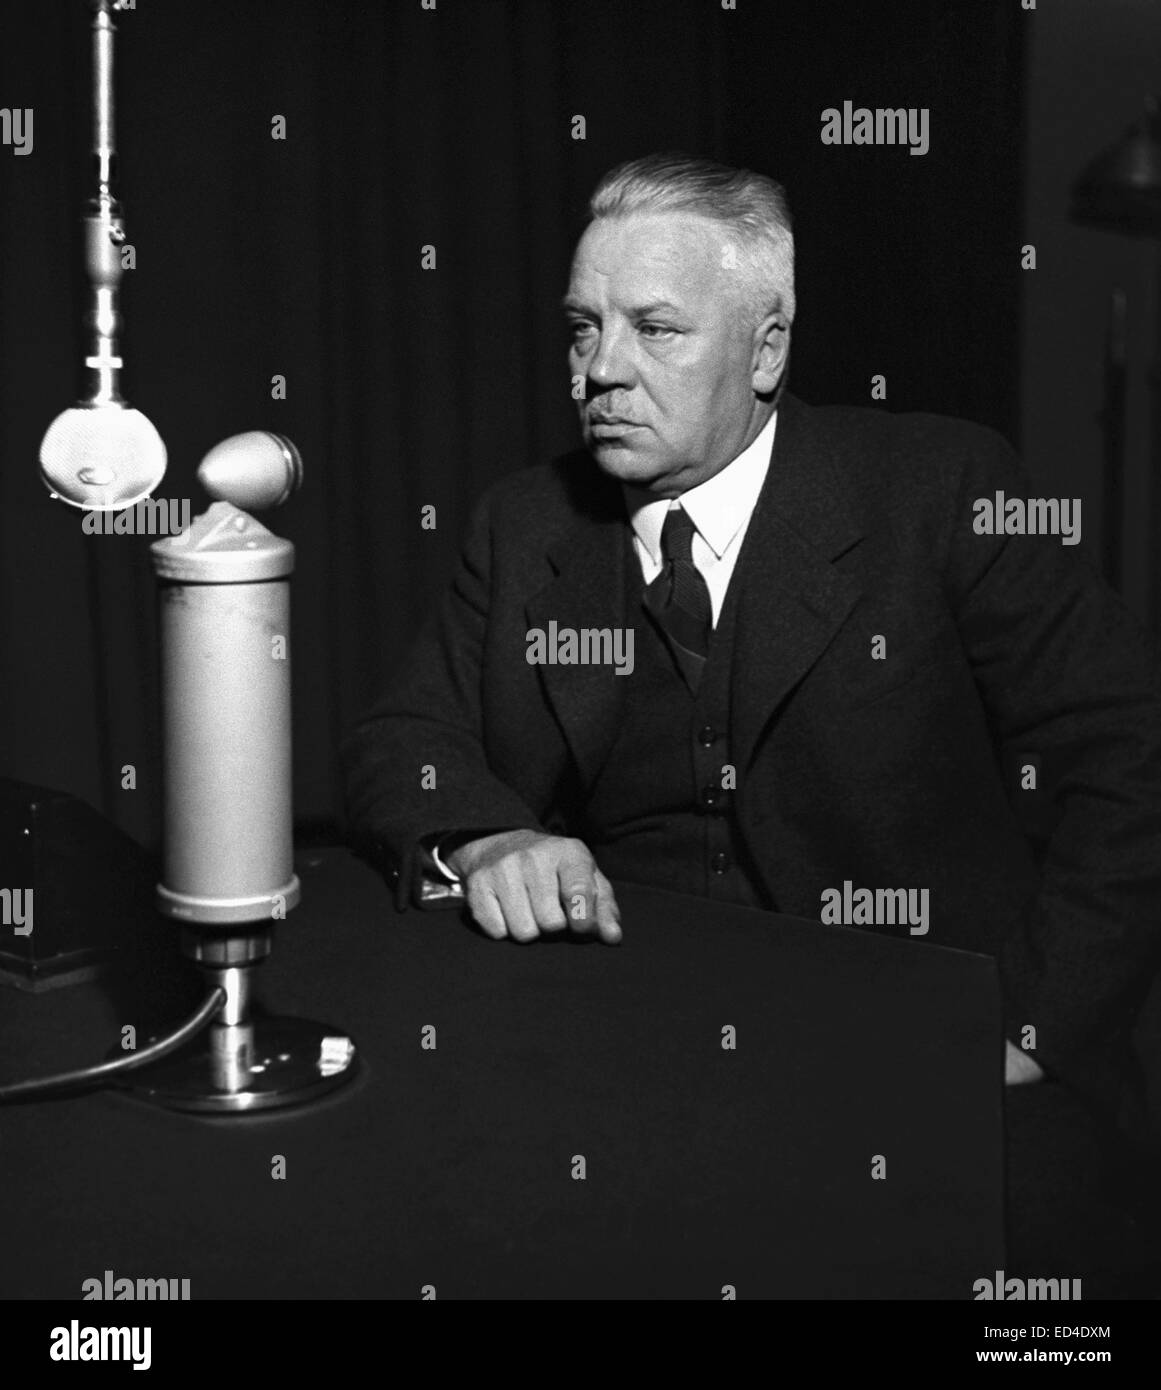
<point x="655" y="330"/>
<point x="578" y="327"/>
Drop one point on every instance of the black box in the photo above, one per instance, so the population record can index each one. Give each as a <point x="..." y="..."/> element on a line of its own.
<point x="91" y="884"/>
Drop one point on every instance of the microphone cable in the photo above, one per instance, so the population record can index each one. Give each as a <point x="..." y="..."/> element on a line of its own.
<point x="84" y="1076"/>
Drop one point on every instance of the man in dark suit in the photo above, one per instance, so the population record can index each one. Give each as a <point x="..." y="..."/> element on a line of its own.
<point x="776" y="655"/>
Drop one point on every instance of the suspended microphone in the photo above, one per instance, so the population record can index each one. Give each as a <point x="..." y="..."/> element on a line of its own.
<point x="101" y="454"/>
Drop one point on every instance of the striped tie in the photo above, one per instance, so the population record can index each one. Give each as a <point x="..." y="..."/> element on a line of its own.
<point x="679" y="598"/>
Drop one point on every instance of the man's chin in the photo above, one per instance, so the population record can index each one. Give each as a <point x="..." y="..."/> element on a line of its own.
<point x="627" y="465"/>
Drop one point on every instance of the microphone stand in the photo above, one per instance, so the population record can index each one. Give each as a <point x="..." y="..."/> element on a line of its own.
<point x="104" y="227"/>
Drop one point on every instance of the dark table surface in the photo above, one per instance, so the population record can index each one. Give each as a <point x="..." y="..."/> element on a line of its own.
<point x="454" y="1167"/>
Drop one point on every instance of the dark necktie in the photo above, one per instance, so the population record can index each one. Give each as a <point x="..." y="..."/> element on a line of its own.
<point x="679" y="598"/>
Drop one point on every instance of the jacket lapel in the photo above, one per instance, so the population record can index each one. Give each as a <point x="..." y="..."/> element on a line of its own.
<point x="791" y="600"/>
<point x="588" y="591"/>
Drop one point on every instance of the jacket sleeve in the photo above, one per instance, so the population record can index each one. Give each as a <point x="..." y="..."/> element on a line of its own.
<point x="1066" y="674"/>
<point x="415" y="765"/>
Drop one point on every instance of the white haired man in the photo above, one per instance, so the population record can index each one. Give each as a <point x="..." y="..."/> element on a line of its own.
<point x="832" y="669"/>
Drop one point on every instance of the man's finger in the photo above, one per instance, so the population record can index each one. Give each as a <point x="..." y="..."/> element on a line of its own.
<point x="516" y="905"/>
<point x="547" y="908"/>
<point x="577" y="887"/>
<point x="607" y="912"/>
<point x="579" y="900"/>
<point x="485" y="909"/>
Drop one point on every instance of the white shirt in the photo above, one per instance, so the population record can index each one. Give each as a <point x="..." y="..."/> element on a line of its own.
<point x="720" y="509"/>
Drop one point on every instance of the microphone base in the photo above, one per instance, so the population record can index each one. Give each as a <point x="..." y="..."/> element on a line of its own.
<point x="266" y="1063"/>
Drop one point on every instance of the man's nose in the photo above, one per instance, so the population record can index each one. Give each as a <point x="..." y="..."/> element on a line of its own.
<point x="610" y="364"/>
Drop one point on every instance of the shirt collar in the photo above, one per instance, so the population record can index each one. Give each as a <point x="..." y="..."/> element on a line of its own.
<point x="718" y="508"/>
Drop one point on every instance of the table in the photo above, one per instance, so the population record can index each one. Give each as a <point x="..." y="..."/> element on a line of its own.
<point x="456" y="1169"/>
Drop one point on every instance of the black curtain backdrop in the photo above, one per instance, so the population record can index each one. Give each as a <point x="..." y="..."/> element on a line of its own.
<point x="451" y="128"/>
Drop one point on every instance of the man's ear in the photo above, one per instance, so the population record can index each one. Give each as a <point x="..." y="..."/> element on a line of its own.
<point x="771" y="345"/>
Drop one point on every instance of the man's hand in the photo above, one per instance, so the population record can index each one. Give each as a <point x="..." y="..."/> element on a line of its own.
<point x="1019" y="1068"/>
<point x="522" y="883"/>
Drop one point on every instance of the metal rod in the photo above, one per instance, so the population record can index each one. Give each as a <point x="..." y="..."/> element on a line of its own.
<point x="104" y="135"/>
<point x="104" y="228"/>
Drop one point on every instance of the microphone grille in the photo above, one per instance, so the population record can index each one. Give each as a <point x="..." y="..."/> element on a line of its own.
<point x="102" y="458"/>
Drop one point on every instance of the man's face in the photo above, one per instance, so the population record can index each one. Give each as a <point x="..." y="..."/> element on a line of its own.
<point x="666" y="349"/>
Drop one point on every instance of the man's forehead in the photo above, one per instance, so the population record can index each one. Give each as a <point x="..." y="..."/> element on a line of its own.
<point x="663" y="253"/>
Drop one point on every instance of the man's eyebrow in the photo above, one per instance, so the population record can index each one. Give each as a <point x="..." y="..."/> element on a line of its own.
<point x="571" y="305"/>
<point x="655" y="306"/>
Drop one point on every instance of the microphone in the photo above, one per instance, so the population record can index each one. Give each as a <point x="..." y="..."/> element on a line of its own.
<point x="255" y="471"/>
<point x="102" y="457"/>
<point x="101" y="454"/>
<point x="229" y="870"/>
<point x="224" y="589"/>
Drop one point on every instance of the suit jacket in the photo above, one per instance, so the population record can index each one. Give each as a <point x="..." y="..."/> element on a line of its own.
<point x="1001" y="653"/>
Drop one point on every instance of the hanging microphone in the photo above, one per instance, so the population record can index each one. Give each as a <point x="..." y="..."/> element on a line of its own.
<point x="101" y="454"/>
